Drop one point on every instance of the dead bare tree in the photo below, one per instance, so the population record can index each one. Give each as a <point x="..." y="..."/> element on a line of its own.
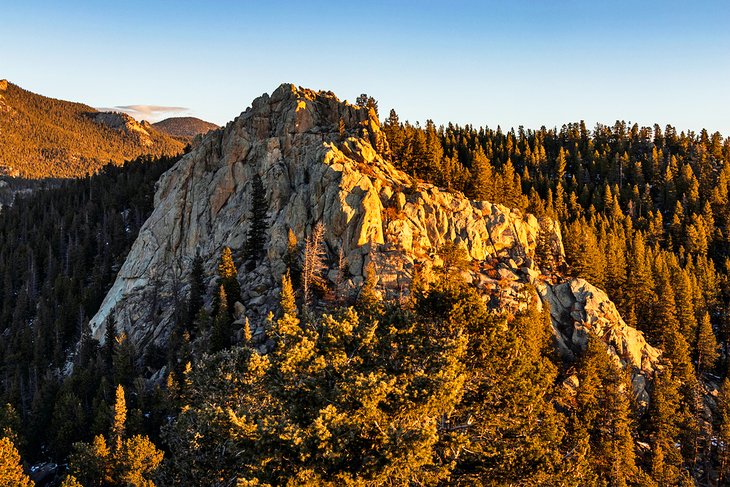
<point x="342" y="272"/>
<point x="314" y="262"/>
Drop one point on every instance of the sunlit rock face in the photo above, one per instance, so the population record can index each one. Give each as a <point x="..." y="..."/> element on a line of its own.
<point x="579" y="310"/>
<point x="322" y="161"/>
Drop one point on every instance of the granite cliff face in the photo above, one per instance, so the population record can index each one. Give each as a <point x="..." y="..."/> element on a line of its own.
<point x="321" y="161"/>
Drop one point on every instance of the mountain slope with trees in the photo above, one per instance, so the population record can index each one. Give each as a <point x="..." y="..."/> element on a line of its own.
<point x="453" y="377"/>
<point x="44" y="137"/>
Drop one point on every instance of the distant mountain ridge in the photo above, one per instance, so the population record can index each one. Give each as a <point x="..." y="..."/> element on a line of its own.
<point x="43" y="137"/>
<point x="184" y="127"/>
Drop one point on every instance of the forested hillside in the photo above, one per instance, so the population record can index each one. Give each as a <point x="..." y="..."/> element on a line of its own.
<point x="438" y="386"/>
<point x="60" y="251"/>
<point x="44" y="137"/>
<point x="645" y="216"/>
<point x="184" y="128"/>
<point x="645" y="210"/>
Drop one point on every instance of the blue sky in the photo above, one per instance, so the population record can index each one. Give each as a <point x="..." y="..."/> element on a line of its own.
<point x="508" y="63"/>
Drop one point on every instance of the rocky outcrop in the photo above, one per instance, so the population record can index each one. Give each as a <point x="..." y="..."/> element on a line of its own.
<point x="313" y="172"/>
<point x="578" y="310"/>
<point x="124" y="123"/>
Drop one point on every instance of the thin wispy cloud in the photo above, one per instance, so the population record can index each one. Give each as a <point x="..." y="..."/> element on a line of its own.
<point x="151" y="113"/>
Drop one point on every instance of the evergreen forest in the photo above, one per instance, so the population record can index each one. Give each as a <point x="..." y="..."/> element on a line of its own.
<point x="48" y="138"/>
<point x="436" y="389"/>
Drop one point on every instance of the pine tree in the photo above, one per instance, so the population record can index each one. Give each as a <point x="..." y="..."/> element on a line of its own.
<point x="101" y="410"/>
<point x="724" y="433"/>
<point x="71" y="481"/>
<point x="197" y="291"/>
<point x="368" y="299"/>
<point x="665" y="308"/>
<point x="130" y="461"/>
<point x="67" y="423"/>
<point x="125" y="356"/>
<point x="616" y="267"/>
<point x="607" y="202"/>
<point x="668" y="183"/>
<point x="247" y="336"/>
<point x="511" y="187"/>
<point x="287" y="300"/>
<point x="640" y="296"/>
<point x="10" y="423"/>
<point x="483" y="177"/>
<point x="228" y="278"/>
<point x="603" y="417"/>
<point x="417" y="162"/>
<point x="120" y="418"/>
<point x="545" y="255"/>
<point x="707" y="348"/>
<point x="340" y="401"/>
<point x="584" y="253"/>
<point x="11" y="470"/>
<point x="654" y="235"/>
<point x="256" y="238"/>
<point x="615" y="442"/>
<point x="372" y="104"/>
<point x="88" y="346"/>
<point x="664" y="408"/>
<point x="516" y="431"/>
<point x="137" y="462"/>
<point x="686" y="312"/>
<point x="696" y="238"/>
<point x="559" y="202"/>
<point x="396" y="138"/>
<point x="365" y="101"/>
<point x="220" y="337"/>
<point x="91" y="462"/>
<point x="560" y="164"/>
<point x="676" y="350"/>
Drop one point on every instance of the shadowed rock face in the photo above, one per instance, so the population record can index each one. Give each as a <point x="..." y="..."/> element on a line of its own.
<point x="312" y="173"/>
